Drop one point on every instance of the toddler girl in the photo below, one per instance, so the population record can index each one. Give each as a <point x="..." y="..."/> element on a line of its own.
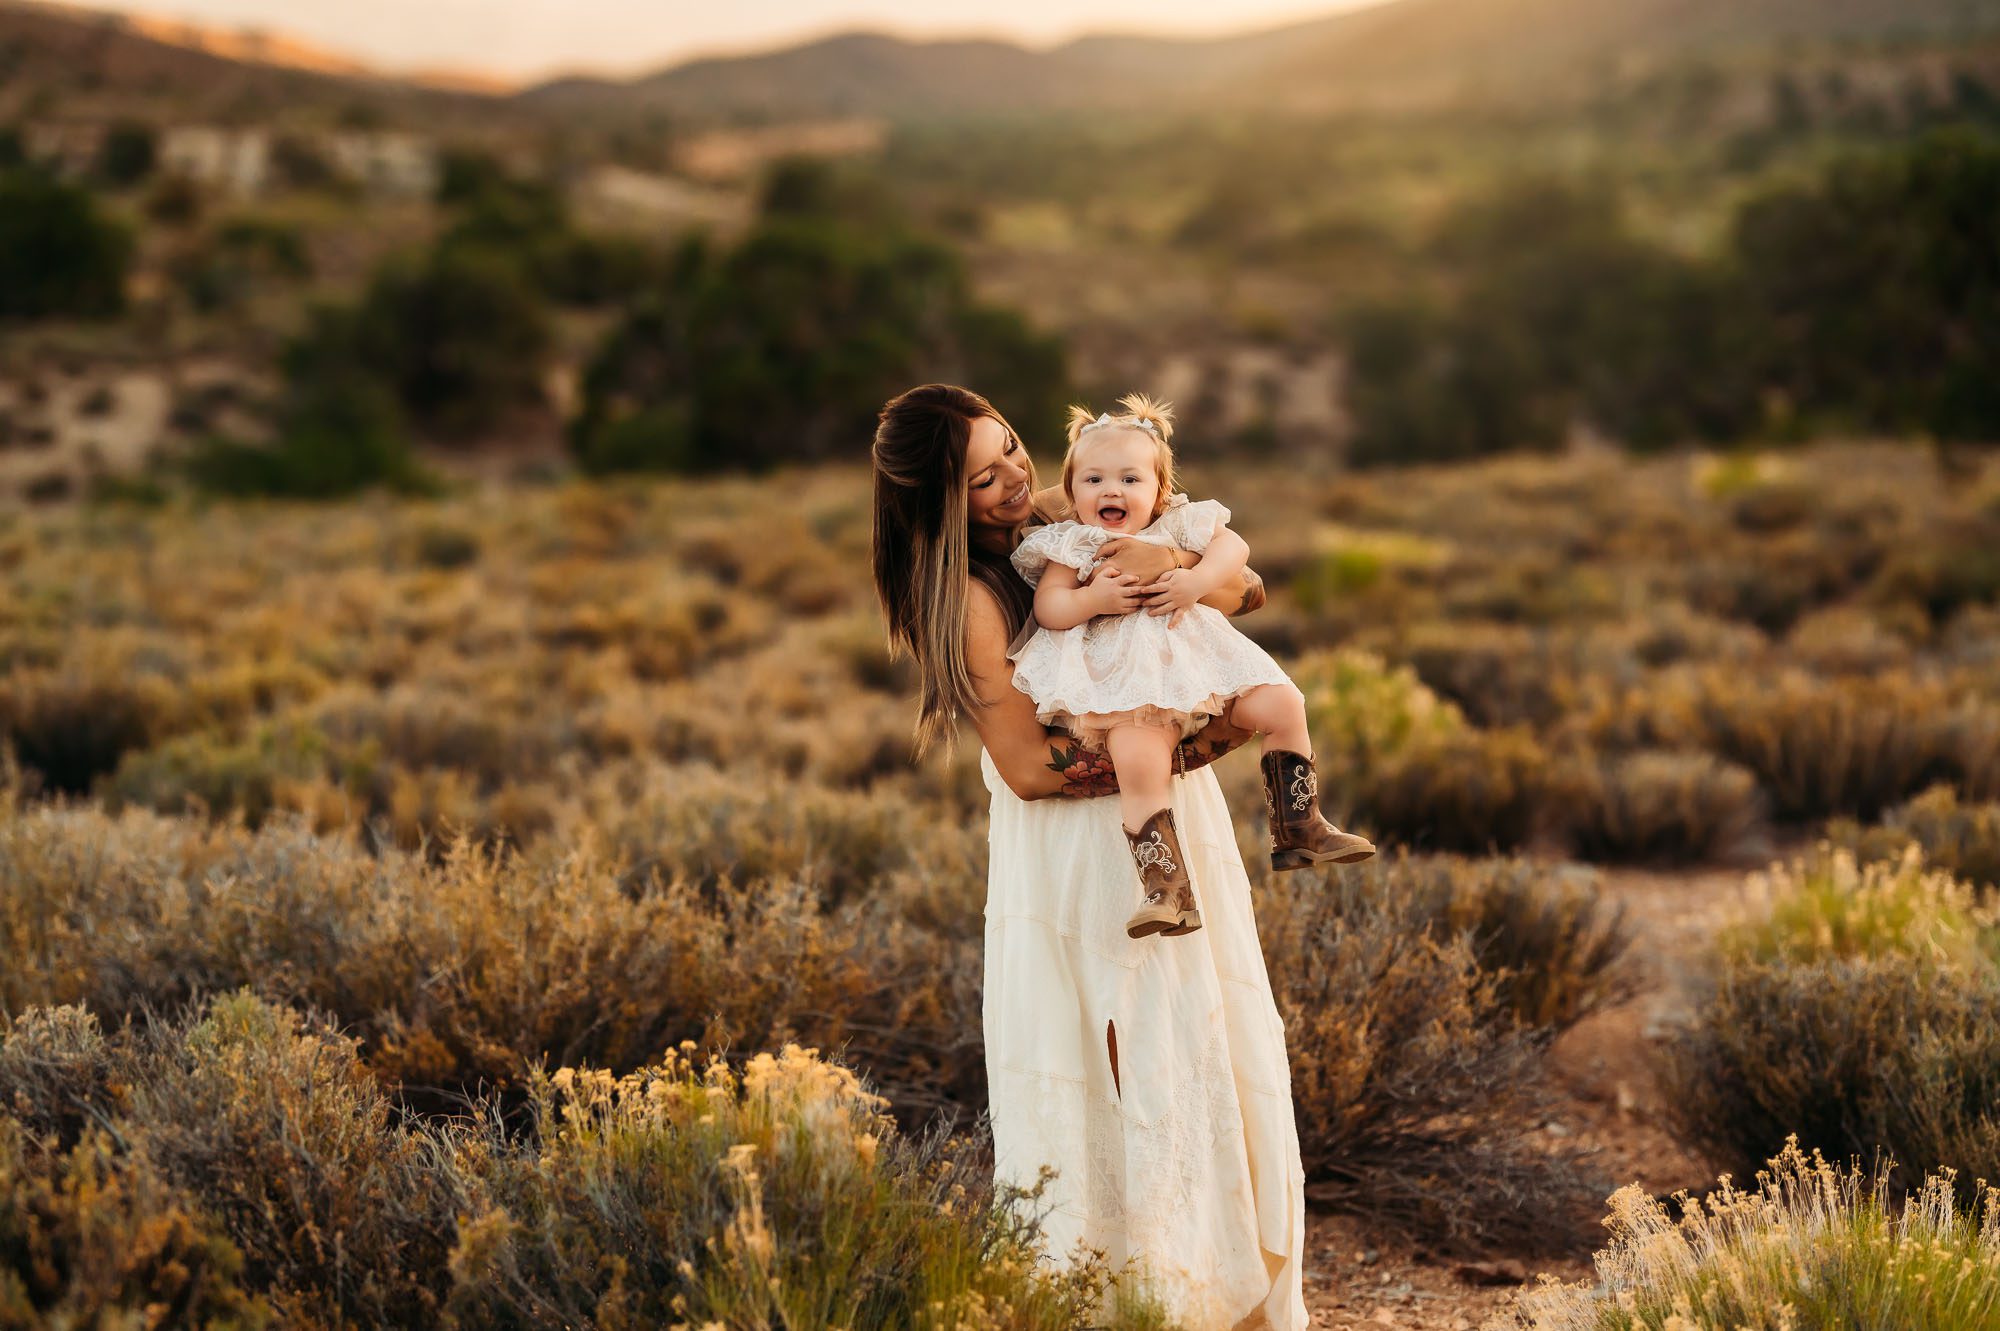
<point x="1136" y="684"/>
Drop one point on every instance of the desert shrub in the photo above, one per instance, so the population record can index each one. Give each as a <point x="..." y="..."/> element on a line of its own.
<point x="282" y="1132"/>
<point x="1843" y="746"/>
<point x="92" y="1235"/>
<point x="1859" y="1014"/>
<point x="60" y="255"/>
<point x="1471" y="790"/>
<point x="247" y="778"/>
<point x="1412" y="1079"/>
<point x="1661" y="808"/>
<point x="56" y="1072"/>
<point x="1497" y="674"/>
<point x="421" y="955"/>
<point x="1547" y="942"/>
<point x="1364" y="712"/>
<point x="70" y="727"/>
<point x="1961" y="838"/>
<point x="705" y="825"/>
<point x="778" y="1195"/>
<point x="1812" y="1247"/>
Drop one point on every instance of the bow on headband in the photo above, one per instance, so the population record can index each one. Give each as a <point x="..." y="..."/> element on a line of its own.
<point x="1107" y="418"/>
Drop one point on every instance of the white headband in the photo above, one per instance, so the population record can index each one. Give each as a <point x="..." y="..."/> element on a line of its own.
<point x="1108" y="419"/>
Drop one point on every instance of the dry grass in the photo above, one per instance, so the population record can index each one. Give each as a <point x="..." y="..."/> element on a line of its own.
<point x="577" y="774"/>
<point x="1811" y="1247"/>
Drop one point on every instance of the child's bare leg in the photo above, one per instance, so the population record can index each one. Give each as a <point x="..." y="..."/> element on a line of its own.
<point x="1144" y="757"/>
<point x="1278" y="711"/>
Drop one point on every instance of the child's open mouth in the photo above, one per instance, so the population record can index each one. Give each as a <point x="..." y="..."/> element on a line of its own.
<point x="1110" y="513"/>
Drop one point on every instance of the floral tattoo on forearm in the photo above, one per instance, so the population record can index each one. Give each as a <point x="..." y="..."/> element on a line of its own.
<point x="1087" y="775"/>
<point x="1253" y="592"/>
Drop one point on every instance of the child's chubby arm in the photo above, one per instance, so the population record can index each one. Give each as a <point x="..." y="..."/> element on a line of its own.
<point x="1222" y="564"/>
<point x="1062" y="602"/>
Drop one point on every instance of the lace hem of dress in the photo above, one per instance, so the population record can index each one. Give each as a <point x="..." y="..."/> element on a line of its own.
<point x="1144" y="1176"/>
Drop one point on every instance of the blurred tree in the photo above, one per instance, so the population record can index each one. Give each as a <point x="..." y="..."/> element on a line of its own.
<point x="174" y="201"/>
<point x="465" y="175"/>
<point x="1425" y="387"/>
<point x="128" y="154"/>
<point x="13" y="152"/>
<point x="245" y="254"/>
<point x="460" y="336"/>
<point x="59" y="254"/>
<point x="297" y="163"/>
<point x="1878" y="287"/>
<point x="783" y="349"/>
<point x="1561" y="316"/>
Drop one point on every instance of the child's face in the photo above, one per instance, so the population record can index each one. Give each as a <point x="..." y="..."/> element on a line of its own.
<point x="1115" y="479"/>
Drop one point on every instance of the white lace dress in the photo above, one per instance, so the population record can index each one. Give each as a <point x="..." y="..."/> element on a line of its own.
<point x="1118" y="669"/>
<point x="1187" y="1160"/>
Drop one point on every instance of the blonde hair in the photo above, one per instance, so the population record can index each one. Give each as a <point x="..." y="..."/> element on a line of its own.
<point x="1142" y="413"/>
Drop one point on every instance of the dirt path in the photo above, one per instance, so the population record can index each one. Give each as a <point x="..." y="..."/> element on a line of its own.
<point x="1612" y="1106"/>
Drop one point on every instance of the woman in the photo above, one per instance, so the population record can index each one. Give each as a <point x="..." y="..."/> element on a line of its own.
<point x="1152" y="1077"/>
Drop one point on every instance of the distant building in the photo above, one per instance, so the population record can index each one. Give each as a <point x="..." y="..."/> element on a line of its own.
<point x="237" y="160"/>
<point x="386" y="163"/>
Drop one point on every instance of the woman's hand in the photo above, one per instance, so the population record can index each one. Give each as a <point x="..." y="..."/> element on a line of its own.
<point x="1128" y="554"/>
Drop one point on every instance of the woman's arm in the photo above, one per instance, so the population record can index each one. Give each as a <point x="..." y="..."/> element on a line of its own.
<point x="1237" y="595"/>
<point x="1182" y="589"/>
<point x="1034" y="761"/>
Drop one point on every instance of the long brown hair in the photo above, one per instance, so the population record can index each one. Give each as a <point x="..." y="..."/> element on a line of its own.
<point x="924" y="556"/>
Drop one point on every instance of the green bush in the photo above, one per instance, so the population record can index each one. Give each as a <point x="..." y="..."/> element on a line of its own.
<point x="59" y="254"/>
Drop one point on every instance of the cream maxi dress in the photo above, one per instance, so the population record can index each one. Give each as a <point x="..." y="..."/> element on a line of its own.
<point x="1189" y="1160"/>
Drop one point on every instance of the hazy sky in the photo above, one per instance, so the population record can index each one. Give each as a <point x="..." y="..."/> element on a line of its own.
<point x="526" y="38"/>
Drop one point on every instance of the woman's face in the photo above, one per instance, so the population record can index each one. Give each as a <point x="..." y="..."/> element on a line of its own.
<point x="999" y="480"/>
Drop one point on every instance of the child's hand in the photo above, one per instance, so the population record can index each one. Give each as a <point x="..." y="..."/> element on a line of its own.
<point x="1178" y="591"/>
<point x="1109" y="593"/>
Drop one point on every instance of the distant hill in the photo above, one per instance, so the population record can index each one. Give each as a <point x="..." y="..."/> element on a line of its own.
<point x="71" y="62"/>
<point x="1400" y="52"/>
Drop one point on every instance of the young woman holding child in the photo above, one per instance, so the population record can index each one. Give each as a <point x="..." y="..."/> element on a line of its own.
<point x="1153" y="1078"/>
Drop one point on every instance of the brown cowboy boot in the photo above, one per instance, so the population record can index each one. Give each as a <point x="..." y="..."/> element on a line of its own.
<point x="1169" y="907"/>
<point x="1300" y="835"/>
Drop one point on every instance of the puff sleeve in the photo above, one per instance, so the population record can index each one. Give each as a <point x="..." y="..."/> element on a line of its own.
<point x="1192" y="526"/>
<point x="1070" y="543"/>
